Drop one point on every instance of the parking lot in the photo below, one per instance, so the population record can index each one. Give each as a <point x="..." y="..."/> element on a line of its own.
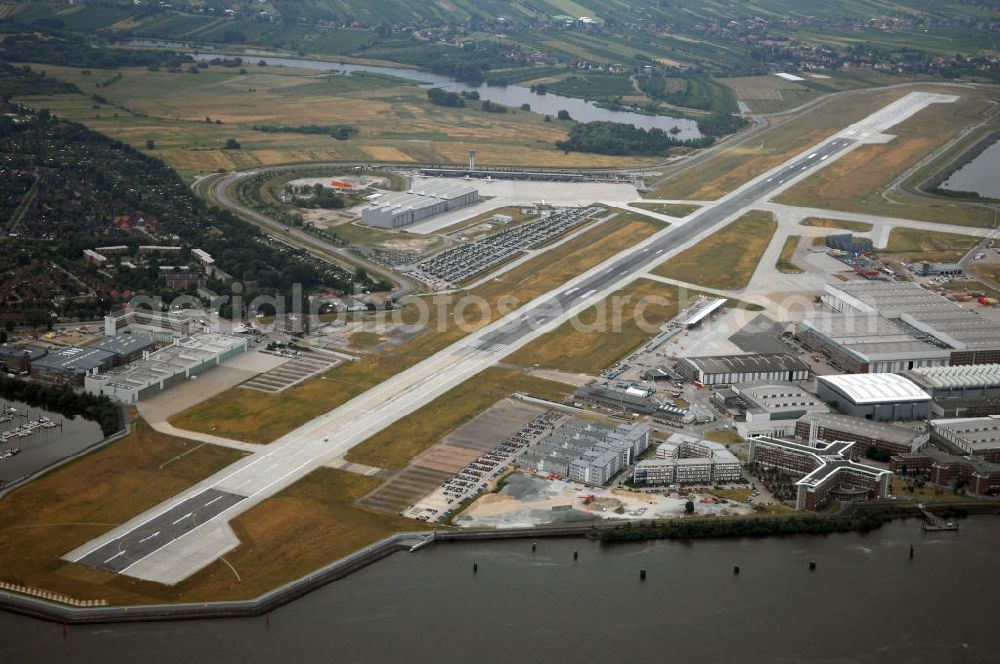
<point x="480" y="473"/>
<point x="457" y="265"/>
<point x="454" y="452"/>
<point x="298" y="369"/>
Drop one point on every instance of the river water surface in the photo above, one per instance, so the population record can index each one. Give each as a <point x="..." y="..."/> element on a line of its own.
<point x="512" y="95"/>
<point x="980" y="176"/>
<point x="865" y="602"/>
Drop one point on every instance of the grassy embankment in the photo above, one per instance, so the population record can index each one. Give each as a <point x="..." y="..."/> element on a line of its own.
<point x="727" y="259"/>
<point x="395" y="122"/>
<point x="853" y="226"/>
<point x="257" y="417"/>
<point x="784" y="262"/>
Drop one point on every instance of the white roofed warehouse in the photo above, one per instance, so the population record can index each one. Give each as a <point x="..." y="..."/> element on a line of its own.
<point x="422" y="201"/>
<point x="882" y="397"/>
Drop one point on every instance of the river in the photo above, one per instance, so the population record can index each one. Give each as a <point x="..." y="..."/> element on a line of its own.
<point x="512" y="95"/>
<point x="980" y="176"/>
<point x="45" y="446"/>
<point x="865" y="602"/>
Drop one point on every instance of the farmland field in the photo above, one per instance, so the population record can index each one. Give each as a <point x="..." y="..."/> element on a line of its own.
<point x="190" y="117"/>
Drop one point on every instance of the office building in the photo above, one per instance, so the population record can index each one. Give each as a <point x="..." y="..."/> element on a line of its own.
<point x="829" y="427"/>
<point x="586" y="452"/>
<point x="125" y="347"/>
<point x="827" y="472"/>
<point x="68" y="366"/>
<point x="687" y="459"/>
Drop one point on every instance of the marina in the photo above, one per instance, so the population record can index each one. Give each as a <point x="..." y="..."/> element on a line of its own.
<point x="33" y="438"/>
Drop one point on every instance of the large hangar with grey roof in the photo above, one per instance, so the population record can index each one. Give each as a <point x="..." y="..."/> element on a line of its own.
<point x="422" y="201"/>
<point x="728" y="369"/>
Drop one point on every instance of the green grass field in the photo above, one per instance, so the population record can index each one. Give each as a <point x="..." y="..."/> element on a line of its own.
<point x="669" y="209"/>
<point x="727" y="259"/>
<point x="604" y="333"/>
<point x="908" y="244"/>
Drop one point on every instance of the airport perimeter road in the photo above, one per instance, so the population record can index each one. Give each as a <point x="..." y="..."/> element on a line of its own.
<point x="218" y="192"/>
<point x="332" y="435"/>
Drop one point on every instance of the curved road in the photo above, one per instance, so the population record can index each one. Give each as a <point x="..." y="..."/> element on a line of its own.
<point x="217" y="191"/>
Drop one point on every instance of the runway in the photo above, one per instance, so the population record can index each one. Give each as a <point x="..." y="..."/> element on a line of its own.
<point x="120" y="553"/>
<point x="333" y="434"/>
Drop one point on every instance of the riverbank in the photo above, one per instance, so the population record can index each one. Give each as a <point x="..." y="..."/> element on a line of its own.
<point x="853" y="518"/>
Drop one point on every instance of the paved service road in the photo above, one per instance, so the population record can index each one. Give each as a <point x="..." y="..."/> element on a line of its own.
<point x="122" y="552"/>
<point x="173" y="555"/>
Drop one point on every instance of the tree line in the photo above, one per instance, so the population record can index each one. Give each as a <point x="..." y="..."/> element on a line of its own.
<point x="65" y="400"/>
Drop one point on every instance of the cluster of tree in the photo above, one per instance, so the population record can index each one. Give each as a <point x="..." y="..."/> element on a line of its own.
<point x="616" y="138"/>
<point x="695" y="90"/>
<point x="720" y="124"/>
<point x="18" y="81"/>
<point x="490" y="107"/>
<point x="340" y="132"/>
<point x="863" y="521"/>
<point x="442" y="97"/>
<point x="226" y="62"/>
<point x="76" y="51"/>
<point x="878" y="454"/>
<point x="64" y="399"/>
<point x="323" y="197"/>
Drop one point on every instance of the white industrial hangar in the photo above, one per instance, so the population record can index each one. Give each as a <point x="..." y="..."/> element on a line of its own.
<point x="422" y="201"/>
<point x="882" y="397"/>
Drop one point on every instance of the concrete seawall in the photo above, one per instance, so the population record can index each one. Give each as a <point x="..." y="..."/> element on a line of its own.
<point x="57" y="612"/>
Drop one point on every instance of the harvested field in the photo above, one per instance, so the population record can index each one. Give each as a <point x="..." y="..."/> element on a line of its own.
<point x="395" y="122"/>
